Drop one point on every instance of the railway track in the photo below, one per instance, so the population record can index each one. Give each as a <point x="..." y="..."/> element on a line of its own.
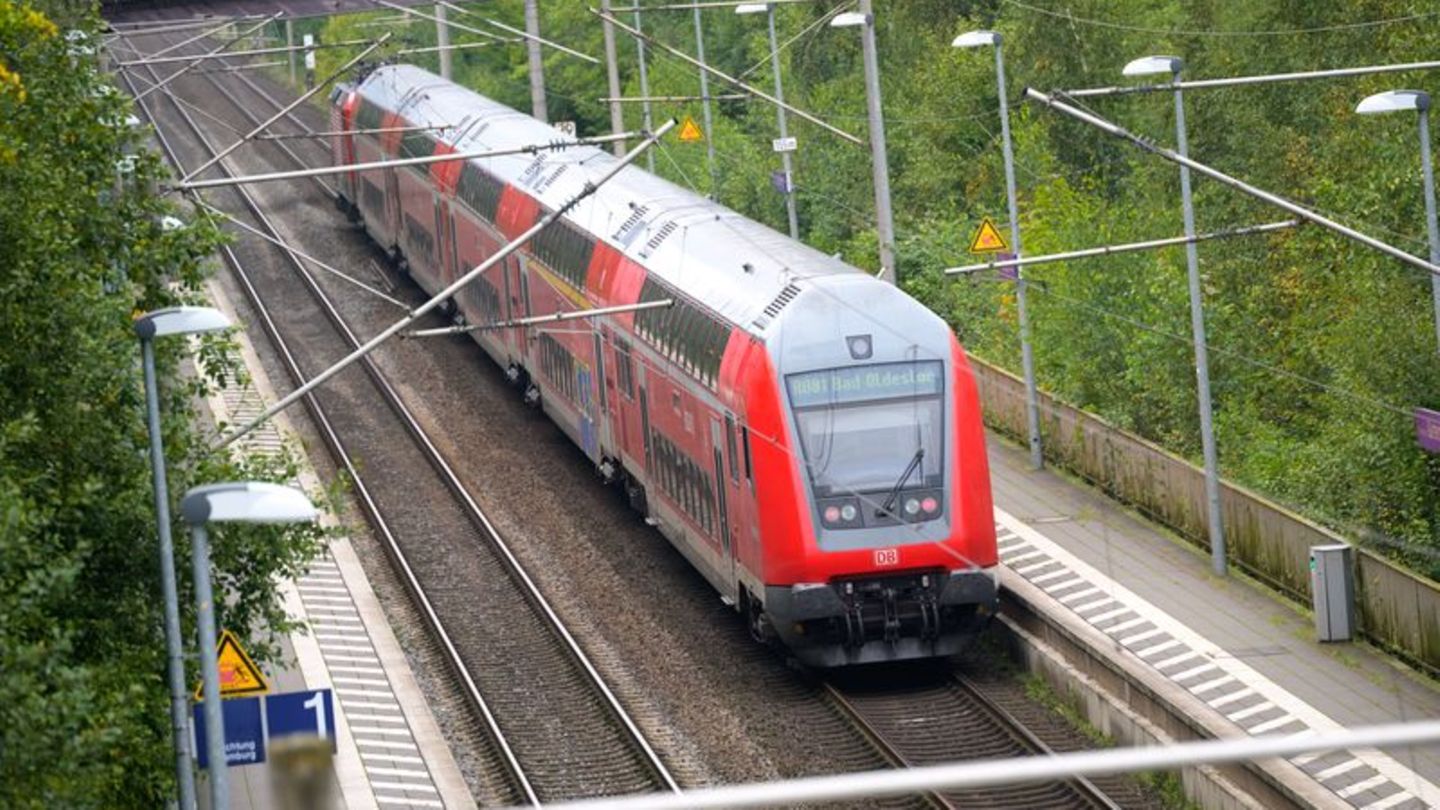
<point x="906" y="726"/>
<point x="932" y="720"/>
<point x="556" y="729"/>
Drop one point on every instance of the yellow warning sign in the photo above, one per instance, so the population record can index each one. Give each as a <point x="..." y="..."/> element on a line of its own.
<point x="238" y="674"/>
<point x="690" y="131"/>
<point x="988" y="239"/>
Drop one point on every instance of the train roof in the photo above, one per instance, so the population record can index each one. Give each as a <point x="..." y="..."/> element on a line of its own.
<point x="740" y="269"/>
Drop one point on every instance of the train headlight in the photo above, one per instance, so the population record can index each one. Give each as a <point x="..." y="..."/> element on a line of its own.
<point x="847" y="512"/>
<point x="832" y="514"/>
<point x="929" y="505"/>
<point x="912" y="506"/>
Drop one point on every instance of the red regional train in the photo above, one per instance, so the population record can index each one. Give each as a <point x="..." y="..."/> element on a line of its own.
<point x="808" y="436"/>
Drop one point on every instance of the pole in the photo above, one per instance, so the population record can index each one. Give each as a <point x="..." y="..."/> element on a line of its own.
<point x="438" y="298"/>
<point x="210" y="671"/>
<point x="290" y="46"/>
<point x="1224" y="179"/>
<point x="1430" y="223"/>
<point x="612" y="76"/>
<point x="175" y="662"/>
<point x="1202" y="353"/>
<point x="785" y="163"/>
<point x="879" y="164"/>
<point x="537" y="64"/>
<point x="644" y="87"/>
<point x="705" y="110"/>
<point x="1027" y="353"/>
<point x="287" y="108"/>
<point x="442" y="41"/>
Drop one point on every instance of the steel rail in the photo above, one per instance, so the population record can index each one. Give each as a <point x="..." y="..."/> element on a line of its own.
<point x="319" y="46"/>
<point x="320" y="85"/>
<point x="337" y="447"/>
<point x="1081" y="784"/>
<point x="877" y="740"/>
<point x="893" y="752"/>
<point x="512" y="564"/>
<point x="159" y="83"/>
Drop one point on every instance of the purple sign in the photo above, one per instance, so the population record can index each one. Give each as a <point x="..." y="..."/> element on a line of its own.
<point x="781" y="182"/>
<point x="1009" y="272"/>
<point x="1427" y="429"/>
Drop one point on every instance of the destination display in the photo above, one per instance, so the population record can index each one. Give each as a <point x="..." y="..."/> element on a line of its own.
<point x="865" y="383"/>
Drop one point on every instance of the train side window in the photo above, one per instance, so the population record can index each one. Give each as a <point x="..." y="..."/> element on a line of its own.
<point x="730" y="448"/>
<point x="745" y="446"/>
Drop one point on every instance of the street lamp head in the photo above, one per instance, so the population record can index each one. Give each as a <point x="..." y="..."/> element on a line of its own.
<point x="850" y="19"/>
<point x="1150" y="65"/>
<point x="180" y="321"/>
<point x="1394" y="101"/>
<point x="246" y="502"/>
<point x="976" y="39"/>
<point x="752" y="8"/>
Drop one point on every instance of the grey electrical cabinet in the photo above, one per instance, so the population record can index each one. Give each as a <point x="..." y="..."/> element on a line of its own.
<point x="1332" y="584"/>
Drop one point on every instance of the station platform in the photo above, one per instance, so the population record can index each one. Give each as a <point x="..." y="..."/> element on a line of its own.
<point x="389" y="751"/>
<point x="1242" y="650"/>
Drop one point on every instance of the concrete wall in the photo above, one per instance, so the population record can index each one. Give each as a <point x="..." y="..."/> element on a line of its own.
<point x="1397" y="609"/>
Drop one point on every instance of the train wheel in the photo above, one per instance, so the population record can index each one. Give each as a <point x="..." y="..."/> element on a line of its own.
<point x="757" y="619"/>
<point x="636" y="495"/>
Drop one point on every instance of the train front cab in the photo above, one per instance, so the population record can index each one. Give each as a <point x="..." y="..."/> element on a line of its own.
<point x="889" y="552"/>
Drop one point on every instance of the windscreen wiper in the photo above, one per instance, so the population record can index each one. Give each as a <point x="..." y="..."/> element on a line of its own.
<point x="904" y="476"/>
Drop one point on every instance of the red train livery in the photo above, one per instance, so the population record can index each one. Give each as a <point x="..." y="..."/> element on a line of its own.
<point x="807" y="436"/>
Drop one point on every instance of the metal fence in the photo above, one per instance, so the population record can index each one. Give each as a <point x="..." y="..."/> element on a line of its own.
<point x="1396" y="609"/>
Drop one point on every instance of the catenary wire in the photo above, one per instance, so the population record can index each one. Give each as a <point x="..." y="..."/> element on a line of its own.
<point x="1069" y="17"/>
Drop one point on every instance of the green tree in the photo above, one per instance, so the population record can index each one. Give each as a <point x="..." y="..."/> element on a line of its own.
<point x="84" y="716"/>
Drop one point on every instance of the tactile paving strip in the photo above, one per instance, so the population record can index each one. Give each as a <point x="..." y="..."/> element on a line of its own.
<point x="1368" y="780"/>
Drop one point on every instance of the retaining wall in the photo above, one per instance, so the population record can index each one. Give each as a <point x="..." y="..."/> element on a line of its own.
<point x="1396" y="609"/>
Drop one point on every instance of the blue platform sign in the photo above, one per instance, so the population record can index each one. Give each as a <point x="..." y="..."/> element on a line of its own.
<point x="1427" y="429"/>
<point x="311" y="713"/>
<point x="244" y="732"/>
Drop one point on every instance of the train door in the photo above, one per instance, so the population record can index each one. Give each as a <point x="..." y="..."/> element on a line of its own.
<point x="392" y="208"/>
<point x="445" y="243"/>
<point x="645" y="422"/>
<point x="602" y="395"/>
<point x="727" y="554"/>
<point x="732" y="485"/>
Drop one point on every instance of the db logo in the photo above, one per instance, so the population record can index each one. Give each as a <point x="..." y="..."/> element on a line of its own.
<point x="887" y="556"/>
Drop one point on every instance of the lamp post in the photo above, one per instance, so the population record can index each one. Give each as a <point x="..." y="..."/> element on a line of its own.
<point x="977" y="39"/>
<point x="769" y="9"/>
<point x="173" y="321"/>
<point x="227" y="503"/>
<point x="879" y="164"/>
<point x="1419" y="101"/>
<point x="1149" y="66"/>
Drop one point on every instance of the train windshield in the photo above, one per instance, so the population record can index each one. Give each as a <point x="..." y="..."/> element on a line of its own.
<point x="863" y="428"/>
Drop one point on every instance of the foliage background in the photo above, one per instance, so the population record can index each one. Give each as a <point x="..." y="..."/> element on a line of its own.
<point x="1319" y="348"/>
<point x="84" y="706"/>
